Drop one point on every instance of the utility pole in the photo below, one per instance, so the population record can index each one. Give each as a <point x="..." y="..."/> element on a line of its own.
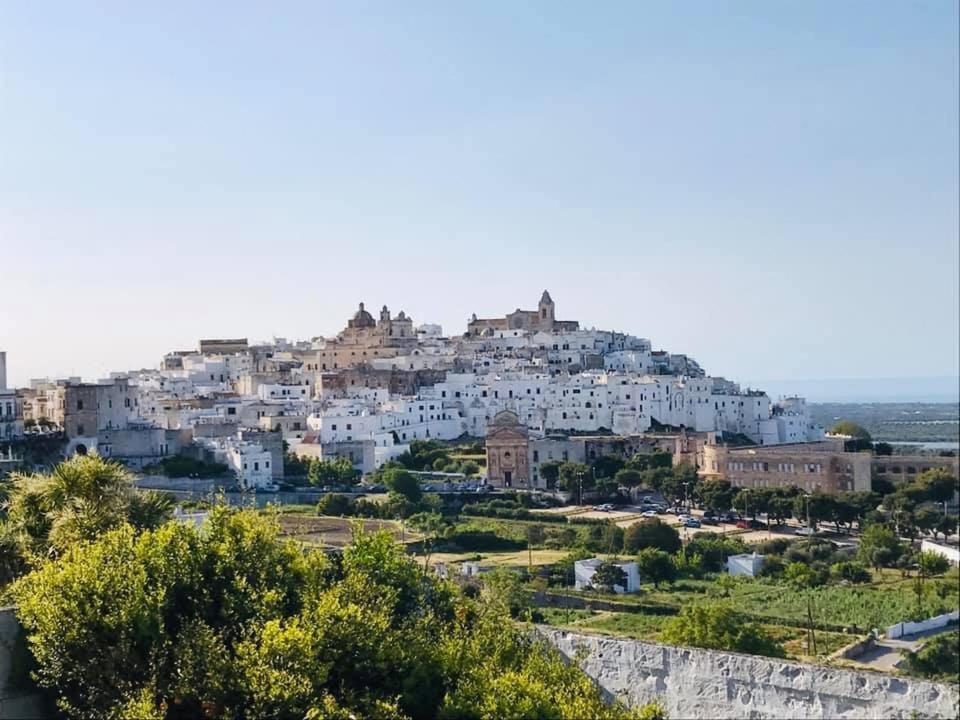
<point x="811" y="634"/>
<point x="580" y="479"/>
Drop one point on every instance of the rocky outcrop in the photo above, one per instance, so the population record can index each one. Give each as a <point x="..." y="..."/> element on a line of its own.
<point x="695" y="683"/>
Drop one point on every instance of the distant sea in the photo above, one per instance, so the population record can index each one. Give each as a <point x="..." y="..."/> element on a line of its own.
<point x="944" y="389"/>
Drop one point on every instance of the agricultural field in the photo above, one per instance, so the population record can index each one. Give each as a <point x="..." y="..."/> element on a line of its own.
<point x="648" y="627"/>
<point x="335" y="531"/>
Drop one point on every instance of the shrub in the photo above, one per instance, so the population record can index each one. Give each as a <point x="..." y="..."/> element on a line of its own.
<point x="850" y="571"/>
<point x="718" y="627"/>
<point x="651" y="533"/>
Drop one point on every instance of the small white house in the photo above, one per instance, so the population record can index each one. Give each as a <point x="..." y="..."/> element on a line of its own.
<point x="583" y="571"/>
<point x="749" y="564"/>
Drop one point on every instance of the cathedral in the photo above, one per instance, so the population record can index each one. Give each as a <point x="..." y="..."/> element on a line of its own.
<point x="543" y="319"/>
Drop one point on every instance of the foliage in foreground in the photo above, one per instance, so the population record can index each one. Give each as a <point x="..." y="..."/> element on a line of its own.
<point x="230" y="622"/>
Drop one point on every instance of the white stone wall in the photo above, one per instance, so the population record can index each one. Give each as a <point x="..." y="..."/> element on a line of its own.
<point x="694" y="683"/>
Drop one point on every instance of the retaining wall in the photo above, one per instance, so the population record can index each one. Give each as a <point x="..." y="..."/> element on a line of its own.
<point x="911" y="628"/>
<point x="19" y="698"/>
<point x="695" y="683"/>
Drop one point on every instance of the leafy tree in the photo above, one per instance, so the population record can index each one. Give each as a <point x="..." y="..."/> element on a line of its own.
<point x="883" y="448"/>
<point x="939" y="658"/>
<point x="817" y="506"/>
<point x="469" y="468"/>
<point x="629" y="477"/>
<point x="802" y="575"/>
<point x="331" y="471"/>
<point x="232" y="622"/>
<point x="850" y="571"/>
<point x="948" y="524"/>
<point x="719" y="627"/>
<point x="938" y="485"/>
<point x="713" y="550"/>
<point x="651" y="533"/>
<point x="571" y="475"/>
<point x="607" y="466"/>
<point x="848" y="427"/>
<point x="716" y="494"/>
<point x="334" y="504"/>
<point x="932" y="564"/>
<point x="780" y="508"/>
<point x="879" y="546"/>
<point x="550" y="472"/>
<point x="927" y="518"/>
<point x="504" y="587"/>
<point x="656" y="566"/>
<point x="81" y="499"/>
<point x="607" y="576"/>
<point x="404" y="484"/>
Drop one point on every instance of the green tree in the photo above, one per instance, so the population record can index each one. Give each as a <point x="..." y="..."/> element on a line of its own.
<point x="848" y="427"/>
<point x="879" y="546"/>
<point x="656" y="566"/>
<point x="550" y="472"/>
<point x="939" y="658"/>
<point x="716" y="494"/>
<point x="651" y="533"/>
<point x="81" y="499"/>
<point x="404" y="484"/>
<point x="572" y="475"/>
<point x="230" y="621"/>
<point x="938" y="485"/>
<point x="504" y="587"/>
<point x="932" y="564"/>
<point x="628" y="477"/>
<point x="850" y="571"/>
<point x="607" y="576"/>
<point x="718" y="627"/>
<point x="469" y="468"/>
<point x="334" y="504"/>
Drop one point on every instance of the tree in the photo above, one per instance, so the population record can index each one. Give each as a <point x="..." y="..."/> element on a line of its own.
<point x="404" y="484"/>
<point x="550" y="472"/>
<point x="571" y="476"/>
<point x="939" y="658"/>
<point x="927" y="518"/>
<point x="233" y="622"/>
<point x="716" y="494"/>
<point x="947" y="525"/>
<point x="469" y="468"/>
<point x="607" y="466"/>
<point x="883" y="448"/>
<point x="719" y="627"/>
<point x="932" y="564"/>
<point x="628" y="477"/>
<point x="334" y="504"/>
<point x="504" y="587"/>
<point x="780" y="508"/>
<point x="331" y="471"/>
<point x="656" y="566"/>
<point x="879" y="546"/>
<point x="651" y="533"/>
<point x="607" y="576"/>
<point x="848" y="427"/>
<point x="81" y="499"/>
<point x="817" y="507"/>
<point x="850" y="571"/>
<point x="938" y="485"/>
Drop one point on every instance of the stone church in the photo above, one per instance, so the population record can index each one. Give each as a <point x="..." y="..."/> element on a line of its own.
<point x="507" y="445"/>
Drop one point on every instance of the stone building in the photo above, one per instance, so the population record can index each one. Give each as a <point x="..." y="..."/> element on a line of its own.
<point x="542" y="319"/>
<point x="820" y="466"/>
<point x="507" y="447"/>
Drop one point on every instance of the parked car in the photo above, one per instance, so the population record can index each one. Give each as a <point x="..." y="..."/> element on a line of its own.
<point x="648" y="513"/>
<point x="683" y="518"/>
<point x="709" y="519"/>
<point x="729" y="517"/>
<point x="743" y="524"/>
<point x="691" y="523"/>
<point x="803" y="531"/>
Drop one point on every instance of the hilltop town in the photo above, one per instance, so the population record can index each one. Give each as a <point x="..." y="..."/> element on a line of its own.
<point x="542" y="389"/>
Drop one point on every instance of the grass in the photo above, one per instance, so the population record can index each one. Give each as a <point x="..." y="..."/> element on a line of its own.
<point x="518" y="558"/>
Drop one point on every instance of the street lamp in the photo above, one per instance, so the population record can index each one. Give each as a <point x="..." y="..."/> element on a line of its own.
<point x="580" y="483"/>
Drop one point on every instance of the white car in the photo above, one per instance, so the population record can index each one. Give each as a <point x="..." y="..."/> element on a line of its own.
<point x="683" y="518"/>
<point x="648" y="513"/>
<point x="803" y="531"/>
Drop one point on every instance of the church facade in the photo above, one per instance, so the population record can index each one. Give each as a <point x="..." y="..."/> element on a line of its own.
<point x="507" y="444"/>
<point x="543" y="319"/>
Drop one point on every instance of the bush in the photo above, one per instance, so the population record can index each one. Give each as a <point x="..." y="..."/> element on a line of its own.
<point x="718" y="627"/>
<point x="651" y="533"/>
<point x="850" y="571"/>
<point x="335" y="504"/>
<point x="939" y="658"/>
<point x="713" y="550"/>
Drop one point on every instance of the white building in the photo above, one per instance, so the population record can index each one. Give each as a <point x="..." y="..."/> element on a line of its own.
<point x="584" y="570"/>
<point x="749" y="564"/>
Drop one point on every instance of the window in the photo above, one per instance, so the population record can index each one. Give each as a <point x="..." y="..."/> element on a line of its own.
<point x="536" y="456"/>
<point x="79" y="404"/>
<point x="333" y="427"/>
<point x="256" y="466"/>
<point x="349" y="426"/>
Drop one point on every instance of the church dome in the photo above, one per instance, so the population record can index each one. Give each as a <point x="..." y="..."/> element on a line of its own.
<point x="362" y="319"/>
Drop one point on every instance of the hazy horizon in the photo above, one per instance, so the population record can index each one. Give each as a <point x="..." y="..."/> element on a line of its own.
<point x="769" y="188"/>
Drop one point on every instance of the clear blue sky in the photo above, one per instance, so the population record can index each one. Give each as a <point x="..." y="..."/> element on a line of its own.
<point x="771" y="187"/>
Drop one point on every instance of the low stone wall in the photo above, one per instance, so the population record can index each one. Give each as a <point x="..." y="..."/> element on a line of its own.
<point x="695" y="683"/>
